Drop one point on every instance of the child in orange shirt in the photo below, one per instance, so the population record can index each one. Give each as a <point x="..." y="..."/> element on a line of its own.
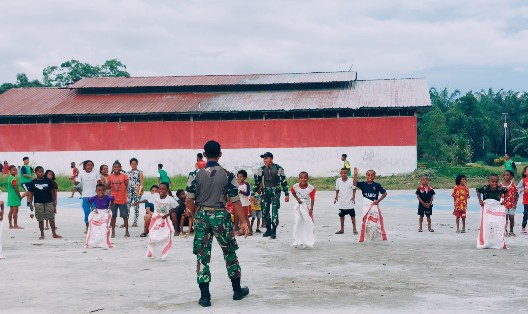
<point x="460" y="196"/>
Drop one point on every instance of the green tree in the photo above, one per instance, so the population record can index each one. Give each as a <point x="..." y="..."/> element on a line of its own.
<point x="443" y="99"/>
<point x="432" y="135"/>
<point x="71" y="71"/>
<point x="461" y="150"/>
<point x="21" y="81"/>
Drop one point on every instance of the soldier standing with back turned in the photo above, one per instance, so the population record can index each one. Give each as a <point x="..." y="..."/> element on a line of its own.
<point x="207" y="192"/>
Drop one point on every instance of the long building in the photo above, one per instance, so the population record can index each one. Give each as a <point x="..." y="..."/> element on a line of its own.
<point x="307" y="120"/>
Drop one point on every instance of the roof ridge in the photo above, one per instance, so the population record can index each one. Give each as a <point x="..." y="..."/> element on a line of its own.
<point x="218" y="75"/>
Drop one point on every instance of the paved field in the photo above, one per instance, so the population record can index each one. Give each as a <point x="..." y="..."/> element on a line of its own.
<point x="411" y="272"/>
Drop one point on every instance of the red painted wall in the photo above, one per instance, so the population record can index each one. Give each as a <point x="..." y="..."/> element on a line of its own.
<point x="344" y="132"/>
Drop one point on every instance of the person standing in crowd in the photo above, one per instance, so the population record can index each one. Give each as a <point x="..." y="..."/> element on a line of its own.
<point x="270" y="179"/>
<point x="87" y="181"/>
<point x="200" y="163"/>
<point x="135" y="188"/>
<point x="163" y="176"/>
<point x="5" y="168"/>
<point x="40" y="191"/>
<point x="13" y="198"/>
<point x="26" y="175"/>
<point x="118" y="183"/>
<point x="510" y="165"/>
<point x="73" y="178"/>
<point x="346" y="164"/>
<point x="207" y="193"/>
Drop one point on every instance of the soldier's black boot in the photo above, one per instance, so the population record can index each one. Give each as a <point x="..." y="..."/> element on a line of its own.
<point x="238" y="292"/>
<point x="274" y="232"/>
<point x="268" y="231"/>
<point x="205" y="298"/>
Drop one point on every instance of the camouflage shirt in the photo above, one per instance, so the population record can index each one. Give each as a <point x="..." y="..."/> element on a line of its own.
<point x="270" y="177"/>
<point x="210" y="186"/>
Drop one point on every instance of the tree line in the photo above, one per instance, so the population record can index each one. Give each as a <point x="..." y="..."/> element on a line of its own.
<point x="68" y="73"/>
<point x="466" y="128"/>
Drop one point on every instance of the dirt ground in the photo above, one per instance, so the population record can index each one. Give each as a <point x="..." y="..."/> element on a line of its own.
<point x="411" y="272"/>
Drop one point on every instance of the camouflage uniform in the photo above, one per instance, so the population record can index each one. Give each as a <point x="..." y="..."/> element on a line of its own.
<point x="209" y="187"/>
<point x="271" y="181"/>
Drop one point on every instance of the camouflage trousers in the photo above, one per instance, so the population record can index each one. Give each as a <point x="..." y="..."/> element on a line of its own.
<point x="218" y="224"/>
<point x="271" y="200"/>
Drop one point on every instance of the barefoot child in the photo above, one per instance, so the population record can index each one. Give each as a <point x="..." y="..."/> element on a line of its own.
<point x="160" y="228"/>
<point x="510" y="200"/>
<point x="425" y="195"/>
<point x="303" y="228"/>
<point x="13" y="198"/>
<point x="493" y="214"/>
<point x="345" y="195"/>
<point x="372" y="227"/>
<point x="244" y="191"/>
<point x="73" y="179"/>
<point x="460" y="197"/>
<point x="51" y="175"/>
<point x="87" y="180"/>
<point x="256" y="210"/>
<point x="118" y="183"/>
<point x="98" y="234"/>
<point x="180" y="215"/>
<point x="41" y="193"/>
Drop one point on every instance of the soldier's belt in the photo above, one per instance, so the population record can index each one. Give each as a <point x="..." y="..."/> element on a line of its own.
<point x="277" y="187"/>
<point x="210" y="209"/>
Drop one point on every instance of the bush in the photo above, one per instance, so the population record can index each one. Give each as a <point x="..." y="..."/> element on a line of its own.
<point x="489" y="159"/>
<point x="498" y="161"/>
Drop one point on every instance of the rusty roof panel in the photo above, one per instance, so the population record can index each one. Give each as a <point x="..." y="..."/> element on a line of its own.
<point x="396" y="93"/>
<point x="215" y="80"/>
<point x="33" y="101"/>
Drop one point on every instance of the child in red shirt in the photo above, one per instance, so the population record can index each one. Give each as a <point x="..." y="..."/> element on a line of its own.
<point x="510" y="200"/>
<point x="460" y="196"/>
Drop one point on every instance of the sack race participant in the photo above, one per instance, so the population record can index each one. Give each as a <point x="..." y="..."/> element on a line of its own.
<point x="303" y="228"/>
<point x="160" y="227"/>
<point x="491" y="197"/>
<point x="372" y="227"/>
<point x="98" y="234"/>
<point x="493" y="218"/>
<point x="493" y="214"/>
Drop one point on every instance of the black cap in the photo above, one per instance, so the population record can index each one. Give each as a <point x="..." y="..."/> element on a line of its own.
<point x="266" y="154"/>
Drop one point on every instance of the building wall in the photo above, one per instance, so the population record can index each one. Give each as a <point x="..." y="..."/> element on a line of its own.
<point x="386" y="144"/>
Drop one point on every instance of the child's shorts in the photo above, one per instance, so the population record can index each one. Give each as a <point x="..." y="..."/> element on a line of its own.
<point x="256" y="214"/>
<point x="344" y="212"/>
<point x="123" y="210"/>
<point x="425" y="211"/>
<point x="459" y="213"/>
<point x="44" y="211"/>
<point x="510" y="211"/>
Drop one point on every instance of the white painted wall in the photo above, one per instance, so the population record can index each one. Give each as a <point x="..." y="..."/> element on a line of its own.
<point x="319" y="162"/>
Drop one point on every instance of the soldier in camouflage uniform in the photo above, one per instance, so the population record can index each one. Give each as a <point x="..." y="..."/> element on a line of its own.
<point x="207" y="192"/>
<point x="270" y="180"/>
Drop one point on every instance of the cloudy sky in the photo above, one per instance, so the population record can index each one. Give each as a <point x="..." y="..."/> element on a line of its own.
<point x="472" y="44"/>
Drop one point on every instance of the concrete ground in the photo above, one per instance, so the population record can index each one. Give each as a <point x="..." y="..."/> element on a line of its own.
<point x="411" y="272"/>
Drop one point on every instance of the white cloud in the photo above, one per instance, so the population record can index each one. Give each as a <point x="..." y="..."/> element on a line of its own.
<point x="383" y="39"/>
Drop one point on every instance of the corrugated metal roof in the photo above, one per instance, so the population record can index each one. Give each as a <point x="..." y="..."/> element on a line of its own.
<point x="215" y="80"/>
<point x="396" y="93"/>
